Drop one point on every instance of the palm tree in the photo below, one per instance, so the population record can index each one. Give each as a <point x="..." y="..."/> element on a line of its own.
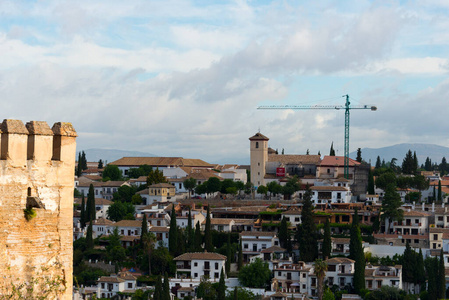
<point x="148" y="240"/>
<point x="320" y="268"/>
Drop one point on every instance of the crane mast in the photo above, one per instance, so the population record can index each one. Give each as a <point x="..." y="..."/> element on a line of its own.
<point x="346" y="107"/>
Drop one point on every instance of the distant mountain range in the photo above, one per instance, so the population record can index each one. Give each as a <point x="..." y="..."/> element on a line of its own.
<point x="110" y="155"/>
<point x="434" y="152"/>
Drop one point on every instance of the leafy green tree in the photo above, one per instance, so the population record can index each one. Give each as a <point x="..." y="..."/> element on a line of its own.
<point x="443" y="167"/>
<point x="274" y="188"/>
<point x="205" y="290"/>
<point x="241" y="293"/>
<point x="207" y="233"/>
<point x="384" y="293"/>
<point x="190" y="184"/>
<point x="201" y="189"/>
<point x="173" y="233"/>
<point x="306" y="231"/>
<point x="391" y="205"/>
<point x="293" y="185"/>
<point x="213" y="185"/>
<point x="162" y="261"/>
<point x="328" y="294"/>
<point x="385" y="179"/>
<point x="320" y="269"/>
<point x="221" y="289"/>
<point x="83" y="213"/>
<point x="225" y="184"/>
<point x="136" y="199"/>
<point x="255" y="275"/>
<point x="262" y="190"/>
<point x="156" y="176"/>
<point x="327" y="241"/>
<point x="124" y="193"/>
<point x="112" y="172"/>
<point x="143" y="170"/>
<point x="118" y="211"/>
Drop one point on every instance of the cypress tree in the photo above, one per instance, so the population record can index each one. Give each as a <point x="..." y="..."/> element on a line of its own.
<point x="91" y="203"/>
<point x="190" y="234"/>
<point x="89" y="236"/>
<point x="198" y="237"/>
<point x="207" y="233"/>
<point x="166" y="288"/>
<point x="100" y="164"/>
<point x="306" y="233"/>
<point x="158" y="289"/>
<point x="84" y="161"/>
<point x="240" y="257"/>
<point x="221" y="289"/>
<point x="420" y="272"/>
<point x="432" y="273"/>
<point x="173" y="233"/>
<point x="283" y="233"/>
<point x="327" y="242"/>
<point x="441" y="282"/>
<point x="235" y="294"/>
<point x="332" y="151"/>
<point x="353" y="242"/>
<point x="359" y="155"/>
<point x="415" y="163"/>
<point x="371" y="183"/>
<point x="83" y="213"/>
<point x="378" y="163"/>
<point x="78" y="167"/>
<point x="228" y="254"/>
<point x="144" y="229"/>
<point x="408" y="267"/>
<point x="356" y="253"/>
<point x="440" y="198"/>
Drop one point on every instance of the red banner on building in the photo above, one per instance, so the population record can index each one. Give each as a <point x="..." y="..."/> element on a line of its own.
<point x="280" y="172"/>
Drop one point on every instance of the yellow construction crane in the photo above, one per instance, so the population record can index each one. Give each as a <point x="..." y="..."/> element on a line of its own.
<point x="346" y="107"/>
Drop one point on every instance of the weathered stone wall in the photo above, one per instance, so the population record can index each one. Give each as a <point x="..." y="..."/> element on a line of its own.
<point x="37" y="169"/>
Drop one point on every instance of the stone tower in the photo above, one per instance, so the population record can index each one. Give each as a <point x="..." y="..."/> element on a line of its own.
<point x="37" y="175"/>
<point x="259" y="158"/>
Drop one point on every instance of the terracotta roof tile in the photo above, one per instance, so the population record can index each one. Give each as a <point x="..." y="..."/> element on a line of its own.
<point x="200" y="255"/>
<point x="294" y="159"/>
<point x="161" y="162"/>
<point x="337" y="161"/>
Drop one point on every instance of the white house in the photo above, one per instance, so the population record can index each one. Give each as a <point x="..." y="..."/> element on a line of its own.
<point x="161" y="234"/>
<point x="101" y="227"/>
<point x="254" y="242"/>
<point x="330" y="194"/>
<point x="378" y="276"/>
<point x="200" y="264"/>
<point x="109" y="286"/>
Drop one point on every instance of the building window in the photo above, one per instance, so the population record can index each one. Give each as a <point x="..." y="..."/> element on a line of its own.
<point x="217" y="275"/>
<point x="195" y="275"/>
<point x="195" y="264"/>
<point x="216" y="266"/>
<point x="435" y="237"/>
<point x="130" y="285"/>
<point x="257" y="144"/>
<point x="245" y="246"/>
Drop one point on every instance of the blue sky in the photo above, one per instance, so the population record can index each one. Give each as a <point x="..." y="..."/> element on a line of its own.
<point x="184" y="78"/>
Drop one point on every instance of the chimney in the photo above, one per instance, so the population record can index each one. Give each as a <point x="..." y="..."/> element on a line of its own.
<point x="433" y="206"/>
<point x="423" y="206"/>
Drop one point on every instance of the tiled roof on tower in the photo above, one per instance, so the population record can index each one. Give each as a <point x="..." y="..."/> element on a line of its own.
<point x="258" y="136"/>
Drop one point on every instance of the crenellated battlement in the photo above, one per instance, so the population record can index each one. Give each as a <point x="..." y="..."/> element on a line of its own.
<point x="35" y="141"/>
<point x="37" y="166"/>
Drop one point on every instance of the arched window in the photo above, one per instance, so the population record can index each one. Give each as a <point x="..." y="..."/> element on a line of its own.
<point x="257" y="144"/>
<point x="29" y="192"/>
